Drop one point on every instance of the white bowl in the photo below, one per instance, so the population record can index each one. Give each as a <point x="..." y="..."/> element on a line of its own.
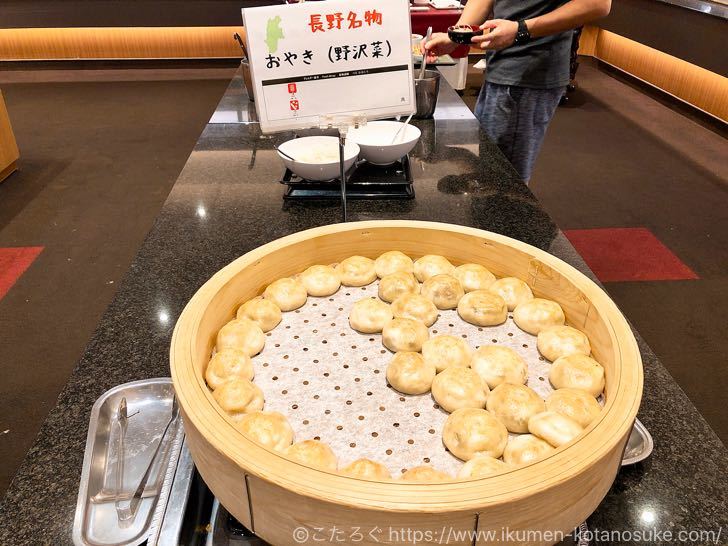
<point x="375" y="141"/>
<point x="317" y="157"/>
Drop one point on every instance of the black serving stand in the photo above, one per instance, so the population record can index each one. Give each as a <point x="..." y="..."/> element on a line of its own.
<point x="364" y="181"/>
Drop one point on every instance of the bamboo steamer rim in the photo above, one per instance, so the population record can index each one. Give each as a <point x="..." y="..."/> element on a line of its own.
<point x="614" y="422"/>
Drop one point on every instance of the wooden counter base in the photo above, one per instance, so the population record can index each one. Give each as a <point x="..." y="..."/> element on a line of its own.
<point x="8" y="147"/>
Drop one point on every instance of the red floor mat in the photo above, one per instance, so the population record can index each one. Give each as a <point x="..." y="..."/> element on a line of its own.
<point x="628" y="254"/>
<point x="13" y="263"/>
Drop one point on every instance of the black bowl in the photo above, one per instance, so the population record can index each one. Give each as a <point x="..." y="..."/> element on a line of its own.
<point x="463" y="34"/>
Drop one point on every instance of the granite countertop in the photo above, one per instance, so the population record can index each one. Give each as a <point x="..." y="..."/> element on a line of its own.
<point x="227" y="201"/>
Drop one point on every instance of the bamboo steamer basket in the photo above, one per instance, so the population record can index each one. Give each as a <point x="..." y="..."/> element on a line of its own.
<point x="276" y="497"/>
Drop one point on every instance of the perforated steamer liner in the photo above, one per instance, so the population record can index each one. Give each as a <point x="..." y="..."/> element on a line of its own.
<point x="329" y="380"/>
<point x="273" y="496"/>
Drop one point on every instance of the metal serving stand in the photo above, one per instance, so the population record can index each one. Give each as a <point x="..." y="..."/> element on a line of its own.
<point x="364" y="181"/>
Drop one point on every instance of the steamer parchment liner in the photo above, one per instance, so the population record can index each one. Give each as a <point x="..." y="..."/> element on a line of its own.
<point x="329" y="381"/>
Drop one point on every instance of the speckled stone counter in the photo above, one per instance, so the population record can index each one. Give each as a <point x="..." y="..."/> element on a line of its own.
<point x="227" y="201"/>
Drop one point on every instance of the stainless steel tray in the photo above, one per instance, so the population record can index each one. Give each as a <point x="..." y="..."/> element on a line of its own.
<point x="149" y="407"/>
<point x="639" y="445"/>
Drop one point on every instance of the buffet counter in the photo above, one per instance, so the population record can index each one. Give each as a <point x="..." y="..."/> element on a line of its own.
<point x="227" y="201"/>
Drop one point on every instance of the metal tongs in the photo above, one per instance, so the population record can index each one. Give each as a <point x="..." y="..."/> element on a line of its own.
<point x="126" y="513"/>
<point x="123" y="419"/>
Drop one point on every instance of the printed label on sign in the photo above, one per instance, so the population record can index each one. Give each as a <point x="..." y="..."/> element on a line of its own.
<point x="353" y="55"/>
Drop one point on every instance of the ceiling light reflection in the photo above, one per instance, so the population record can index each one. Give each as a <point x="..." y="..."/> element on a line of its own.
<point x="648" y="516"/>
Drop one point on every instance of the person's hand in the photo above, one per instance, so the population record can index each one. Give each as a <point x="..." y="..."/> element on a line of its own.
<point x="438" y="45"/>
<point x="497" y="34"/>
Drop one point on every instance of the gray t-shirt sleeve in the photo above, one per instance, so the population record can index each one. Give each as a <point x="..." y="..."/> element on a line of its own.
<point x="543" y="63"/>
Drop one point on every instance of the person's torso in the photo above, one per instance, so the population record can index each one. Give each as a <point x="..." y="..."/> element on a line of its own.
<point x="541" y="63"/>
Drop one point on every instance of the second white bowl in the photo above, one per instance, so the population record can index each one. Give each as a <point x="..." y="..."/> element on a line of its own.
<point x="375" y="141"/>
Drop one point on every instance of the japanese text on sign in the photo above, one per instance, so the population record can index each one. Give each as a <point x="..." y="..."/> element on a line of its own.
<point x="348" y="57"/>
<point x="337" y="20"/>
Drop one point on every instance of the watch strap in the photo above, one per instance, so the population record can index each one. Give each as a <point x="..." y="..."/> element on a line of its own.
<point x="523" y="36"/>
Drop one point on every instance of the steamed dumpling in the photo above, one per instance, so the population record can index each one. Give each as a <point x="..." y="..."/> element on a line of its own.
<point x="227" y="364"/>
<point x="409" y="373"/>
<point x="496" y="364"/>
<point x="239" y="396"/>
<point x="445" y="351"/>
<point x="241" y="334"/>
<point x="286" y="293"/>
<point x="357" y="271"/>
<point x="514" y="405"/>
<point x="557" y="341"/>
<point x="369" y="315"/>
<point x="482" y="308"/>
<point x="403" y="334"/>
<point x="553" y="427"/>
<point x="415" y="307"/>
<point x="514" y="291"/>
<point x="481" y="466"/>
<point x="425" y="474"/>
<point x="393" y="261"/>
<point x="367" y="470"/>
<point x="470" y="431"/>
<point x="313" y="453"/>
<point x="473" y="277"/>
<point x="577" y="371"/>
<point x="526" y="448"/>
<point x="431" y="265"/>
<point x="397" y="284"/>
<point x="268" y="428"/>
<point x="443" y="290"/>
<point x="458" y="387"/>
<point x="320" y="280"/>
<point x="263" y="312"/>
<point x="581" y="406"/>
<point x="538" y="314"/>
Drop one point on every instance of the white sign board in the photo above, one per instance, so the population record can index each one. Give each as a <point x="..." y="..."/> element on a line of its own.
<point x="335" y="58"/>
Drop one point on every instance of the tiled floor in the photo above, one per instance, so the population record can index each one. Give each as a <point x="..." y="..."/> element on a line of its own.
<point x="101" y="150"/>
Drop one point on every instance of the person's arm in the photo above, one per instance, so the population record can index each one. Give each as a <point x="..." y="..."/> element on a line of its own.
<point x="474" y="13"/>
<point x="573" y="14"/>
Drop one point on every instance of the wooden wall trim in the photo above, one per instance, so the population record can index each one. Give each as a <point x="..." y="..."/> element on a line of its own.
<point x="42" y="44"/>
<point x="692" y="84"/>
<point x="701" y="88"/>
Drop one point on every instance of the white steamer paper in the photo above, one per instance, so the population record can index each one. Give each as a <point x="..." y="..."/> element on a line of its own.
<point x="329" y="380"/>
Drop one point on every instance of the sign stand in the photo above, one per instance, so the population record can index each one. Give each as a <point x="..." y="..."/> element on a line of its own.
<point x="335" y="64"/>
<point x="342" y="124"/>
<point x="342" y="145"/>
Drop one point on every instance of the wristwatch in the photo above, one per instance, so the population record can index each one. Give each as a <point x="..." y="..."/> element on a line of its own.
<point x="522" y="36"/>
